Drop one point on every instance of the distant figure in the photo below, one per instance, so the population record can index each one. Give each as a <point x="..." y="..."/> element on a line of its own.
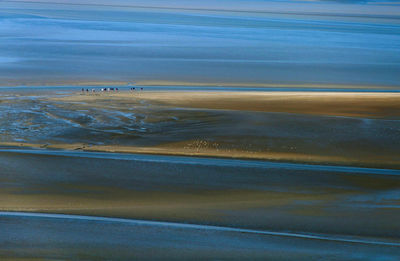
<point x="141" y="89"/>
<point x="93" y="90"/>
<point x="87" y="90"/>
<point x="83" y="90"/>
<point x="116" y="89"/>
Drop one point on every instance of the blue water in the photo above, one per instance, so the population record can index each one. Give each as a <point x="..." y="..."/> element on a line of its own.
<point x="229" y="41"/>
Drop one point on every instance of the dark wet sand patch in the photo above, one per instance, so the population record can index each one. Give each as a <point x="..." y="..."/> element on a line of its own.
<point x="273" y="198"/>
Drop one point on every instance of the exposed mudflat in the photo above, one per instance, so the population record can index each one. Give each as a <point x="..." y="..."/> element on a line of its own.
<point x="331" y="127"/>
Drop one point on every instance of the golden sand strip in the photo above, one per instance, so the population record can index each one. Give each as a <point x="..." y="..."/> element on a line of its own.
<point x="351" y="104"/>
<point x="176" y="150"/>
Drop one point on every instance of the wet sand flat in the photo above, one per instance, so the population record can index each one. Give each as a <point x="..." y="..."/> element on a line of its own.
<point x="293" y="210"/>
<point x="70" y="237"/>
<point x="327" y="128"/>
<point x="246" y="194"/>
<point x="72" y="153"/>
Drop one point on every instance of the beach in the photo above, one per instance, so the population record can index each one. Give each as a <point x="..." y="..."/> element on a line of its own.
<point x="199" y="130"/>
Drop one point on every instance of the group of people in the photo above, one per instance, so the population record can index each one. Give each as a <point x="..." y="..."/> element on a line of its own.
<point x="109" y="89"/>
<point x="134" y="89"/>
